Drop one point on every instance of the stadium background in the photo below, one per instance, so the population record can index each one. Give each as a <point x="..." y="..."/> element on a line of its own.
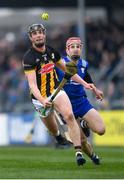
<point x="100" y="26"/>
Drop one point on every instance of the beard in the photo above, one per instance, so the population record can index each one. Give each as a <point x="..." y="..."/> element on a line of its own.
<point x="75" y="57"/>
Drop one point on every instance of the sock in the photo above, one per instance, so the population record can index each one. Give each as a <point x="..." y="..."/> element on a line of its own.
<point x="78" y="153"/>
<point x="59" y="138"/>
<point x="78" y="149"/>
<point x="84" y="124"/>
<point x="57" y="134"/>
<point x="93" y="155"/>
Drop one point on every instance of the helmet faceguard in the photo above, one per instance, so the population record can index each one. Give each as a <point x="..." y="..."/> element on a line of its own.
<point x="73" y="40"/>
<point x="36" y="27"/>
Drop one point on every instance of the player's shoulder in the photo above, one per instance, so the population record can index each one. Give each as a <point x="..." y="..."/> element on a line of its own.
<point x="28" y="56"/>
<point x="28" y="53"/>
<point x="65" y="58"/>
<point x="54" y="54"/>
<point x="50" y="49"/>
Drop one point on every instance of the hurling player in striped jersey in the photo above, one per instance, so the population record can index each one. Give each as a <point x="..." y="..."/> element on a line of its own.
<point x="39" y="66"/>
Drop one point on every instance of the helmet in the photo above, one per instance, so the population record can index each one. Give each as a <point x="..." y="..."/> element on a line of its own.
<point x="73" y="40"/>
<point x="36" y="27"/>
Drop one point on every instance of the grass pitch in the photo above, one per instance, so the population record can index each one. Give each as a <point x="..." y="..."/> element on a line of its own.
<point x="42" y="163"/>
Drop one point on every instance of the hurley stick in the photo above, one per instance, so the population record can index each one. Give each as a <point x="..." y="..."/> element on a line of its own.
<point x="71" y="69"/>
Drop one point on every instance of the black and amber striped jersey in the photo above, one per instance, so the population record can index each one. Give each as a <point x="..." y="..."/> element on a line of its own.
<point x="44" y="66"/>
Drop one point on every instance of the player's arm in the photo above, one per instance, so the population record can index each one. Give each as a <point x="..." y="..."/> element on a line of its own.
<point x="29" y="69"/>
<point x="60" y="64"/>
<point x="31" y="77"/>
<point x="97" y="92"/>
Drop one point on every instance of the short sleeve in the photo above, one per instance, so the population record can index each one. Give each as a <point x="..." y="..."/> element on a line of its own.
<point x="28" y="62"/>
<point x="55" y="56"/>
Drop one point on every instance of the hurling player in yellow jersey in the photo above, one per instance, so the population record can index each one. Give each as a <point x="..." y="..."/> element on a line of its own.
<point x="39" y="65"/>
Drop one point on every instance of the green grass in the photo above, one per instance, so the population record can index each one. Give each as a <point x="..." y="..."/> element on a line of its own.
<point x="40" y="162"/>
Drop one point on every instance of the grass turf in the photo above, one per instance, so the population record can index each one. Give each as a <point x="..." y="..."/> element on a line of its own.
<point x="41" y="162"/>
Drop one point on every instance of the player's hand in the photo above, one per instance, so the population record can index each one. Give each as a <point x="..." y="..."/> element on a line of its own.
<point x="46" y="103"/>
<point x="98" y="93"/>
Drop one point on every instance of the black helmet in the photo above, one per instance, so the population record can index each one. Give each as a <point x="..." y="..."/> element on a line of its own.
<point x="36" y="27"/>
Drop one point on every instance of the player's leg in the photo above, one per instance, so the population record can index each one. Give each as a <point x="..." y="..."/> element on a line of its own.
<point x="63" y="106"/>
<point x="63" y="131"/>
<point x="95" y="121"/>
<point x="80" y="107"/>
<point x="52" y="126"/>
<point x="84" y="127"/>
<point x="50" y="123"/>
<point x="87" y="148"/>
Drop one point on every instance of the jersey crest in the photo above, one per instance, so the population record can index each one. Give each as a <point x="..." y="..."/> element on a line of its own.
<point x="47" y="68"/>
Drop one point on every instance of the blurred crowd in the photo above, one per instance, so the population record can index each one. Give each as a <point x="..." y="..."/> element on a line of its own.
<point x="104" y="43"/>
